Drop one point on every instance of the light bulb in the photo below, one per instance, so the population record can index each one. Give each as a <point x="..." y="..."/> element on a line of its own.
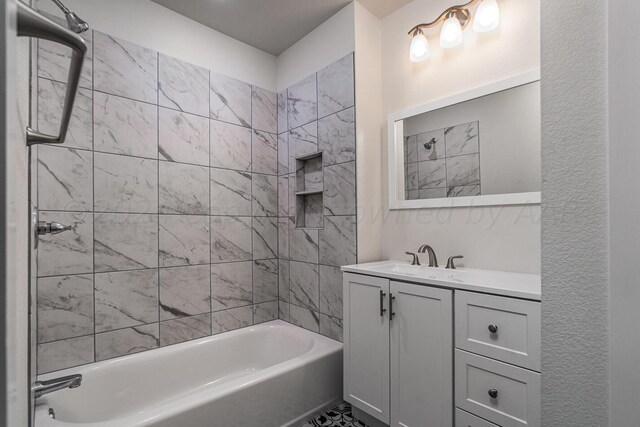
<point x="487" y="16"/>
<point x="451" y="34"/>
<point x="419" y="50"/>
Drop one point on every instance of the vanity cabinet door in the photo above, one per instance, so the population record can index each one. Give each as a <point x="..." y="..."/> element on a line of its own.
<point x="421" y="356"/>
<point x="366" y="344"/>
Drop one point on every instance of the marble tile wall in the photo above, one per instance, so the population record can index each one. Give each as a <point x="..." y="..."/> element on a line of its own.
<point x="450" y="168"/>
<point x="317" y="114"/>
<point x="169" y="179"/>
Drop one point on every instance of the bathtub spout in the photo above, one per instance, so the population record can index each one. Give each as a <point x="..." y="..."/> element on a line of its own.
<point x="41" y="388"/>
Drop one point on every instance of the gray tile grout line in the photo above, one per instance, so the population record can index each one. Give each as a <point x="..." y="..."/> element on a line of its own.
<point x="154" y="323"/>
<point x="164" y="161"/>
<point x="320" y="118"/>
<point x="288" y="282"/>
<point x="355" y="157"/>
<point x="153" y="268"/>
<point x="34" y="348"/>
<point x="71" y="211"/>
<point x="153" y="159"/>
<point x="253" y="264"/>
<point x="210" y="203"/>
<point x="321" y="194"/>
<point x="158" y="303"/>
<point x="93" y="179"/>
<point x="93" y="90"/>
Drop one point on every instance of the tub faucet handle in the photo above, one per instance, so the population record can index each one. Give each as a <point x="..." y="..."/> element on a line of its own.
<point x="53" y="227"/>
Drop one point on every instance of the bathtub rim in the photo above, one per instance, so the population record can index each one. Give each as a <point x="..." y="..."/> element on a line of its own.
<point x="322" y="347"/>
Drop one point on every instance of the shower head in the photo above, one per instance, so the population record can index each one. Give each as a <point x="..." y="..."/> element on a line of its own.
<point x="74" y="22"/>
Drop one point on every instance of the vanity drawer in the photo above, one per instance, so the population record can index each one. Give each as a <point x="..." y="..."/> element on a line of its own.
<point x="515" y="324"/>
<point x="465" y="419"/>
<point x="503" y="394"/>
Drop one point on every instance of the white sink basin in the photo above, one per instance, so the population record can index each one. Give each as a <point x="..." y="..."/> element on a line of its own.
<point x="519" y="285"/>
<point x="408" y="269"/>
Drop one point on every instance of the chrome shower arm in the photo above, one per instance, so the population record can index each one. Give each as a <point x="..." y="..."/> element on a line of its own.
<point x="62" y="7"/>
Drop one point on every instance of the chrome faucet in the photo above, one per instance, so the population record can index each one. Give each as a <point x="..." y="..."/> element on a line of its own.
<point x="433" y="260"/>
<point x="40" y="388"/>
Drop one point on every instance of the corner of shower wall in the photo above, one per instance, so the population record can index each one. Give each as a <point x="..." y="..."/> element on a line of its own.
<point x="317" y="115"/>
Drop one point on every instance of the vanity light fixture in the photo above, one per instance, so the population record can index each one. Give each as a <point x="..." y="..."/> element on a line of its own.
<point x="487" y="16"/>
<point x="454" y="20"/>
<point x="451" y="34"/>
<point x="419" y="50"/>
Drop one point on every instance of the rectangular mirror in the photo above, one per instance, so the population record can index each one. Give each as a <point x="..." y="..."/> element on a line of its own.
<point x="478" y="148"/>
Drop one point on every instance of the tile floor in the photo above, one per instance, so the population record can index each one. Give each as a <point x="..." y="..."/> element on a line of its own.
<point x="339" y="416"/>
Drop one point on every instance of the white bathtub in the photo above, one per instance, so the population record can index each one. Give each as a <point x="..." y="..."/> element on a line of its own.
<point x="272" y="374"/>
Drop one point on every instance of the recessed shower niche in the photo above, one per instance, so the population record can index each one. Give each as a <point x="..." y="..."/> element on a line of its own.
<point x="309" y="188"/>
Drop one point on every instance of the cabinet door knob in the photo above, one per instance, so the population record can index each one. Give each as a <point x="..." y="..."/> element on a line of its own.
<point x="493" y="328"/>
<point x="493" y="393"/>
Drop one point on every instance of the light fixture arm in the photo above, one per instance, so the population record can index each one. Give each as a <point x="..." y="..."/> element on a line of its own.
<point x="461" y="12"/>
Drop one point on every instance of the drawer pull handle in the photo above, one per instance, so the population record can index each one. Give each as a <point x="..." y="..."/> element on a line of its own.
<point x="493" y="393"/>
<point x="493" y="329"/>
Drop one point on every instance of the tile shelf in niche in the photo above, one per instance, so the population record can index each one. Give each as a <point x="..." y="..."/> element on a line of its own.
<point x="309" y="156"/>
<point x="309" y="173"/>
<point x="308" y="190"/>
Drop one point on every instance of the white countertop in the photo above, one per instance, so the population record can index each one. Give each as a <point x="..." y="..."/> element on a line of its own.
<point x="517" y="285"/>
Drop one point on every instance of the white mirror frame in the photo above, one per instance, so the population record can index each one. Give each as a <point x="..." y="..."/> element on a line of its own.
<point x="396" y="162"/>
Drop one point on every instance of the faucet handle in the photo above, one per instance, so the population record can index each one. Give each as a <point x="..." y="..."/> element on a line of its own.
<point x="52" y="227"/>
<point x="450" y="264"/>
<point x="416" y="260"/>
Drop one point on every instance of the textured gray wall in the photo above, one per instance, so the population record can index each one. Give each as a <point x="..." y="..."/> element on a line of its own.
<point x="575" y="285"/>
<point x="624" y="152"/>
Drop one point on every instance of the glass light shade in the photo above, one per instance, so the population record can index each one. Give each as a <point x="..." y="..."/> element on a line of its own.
<point x="451" y="34"/>
<point x="419" y="50"/>
<point x="487" y="16"/>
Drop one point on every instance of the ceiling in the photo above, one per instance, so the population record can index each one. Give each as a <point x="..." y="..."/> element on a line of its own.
<point x="269" y="25"/>
<point x="383" y="8"/>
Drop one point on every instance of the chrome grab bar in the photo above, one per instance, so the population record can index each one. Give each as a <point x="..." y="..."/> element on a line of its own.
<point x="32" y="24"/>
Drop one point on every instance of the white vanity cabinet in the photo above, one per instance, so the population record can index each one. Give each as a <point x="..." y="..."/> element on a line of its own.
<point x="421" y="356"/>
<point x="366" y="350"/>
<point x="426" y="347"/>
<point x="398" y="351"/>
<point x="497" y="358"/>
